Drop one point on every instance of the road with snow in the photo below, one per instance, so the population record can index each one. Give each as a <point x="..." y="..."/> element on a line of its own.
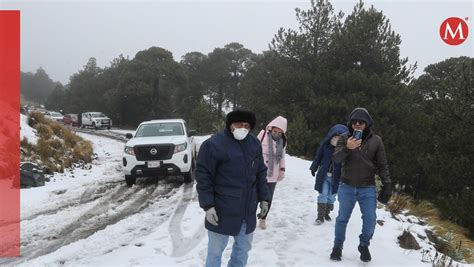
<point x="84" y="202"/>
<point x="88" y="216"/>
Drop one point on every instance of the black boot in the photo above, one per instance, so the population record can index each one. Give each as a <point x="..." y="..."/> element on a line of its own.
<point x="336" y="254"/>
<point x="329" y="208"/>
<point x="364" y="253"/>
<point x="321" y="212"/>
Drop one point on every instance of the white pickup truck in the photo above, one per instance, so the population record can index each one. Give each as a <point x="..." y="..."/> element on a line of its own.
<point x="95" y="120"/>
<point x="159" y="148"/>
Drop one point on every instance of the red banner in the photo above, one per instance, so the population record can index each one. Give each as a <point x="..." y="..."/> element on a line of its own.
<point x="9" y="133"/>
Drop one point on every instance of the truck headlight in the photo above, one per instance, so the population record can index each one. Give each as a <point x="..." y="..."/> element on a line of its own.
<point x="129" y="150"/>
<point x="180" y="147"/>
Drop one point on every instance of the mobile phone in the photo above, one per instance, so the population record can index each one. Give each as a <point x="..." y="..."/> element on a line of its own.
<point x="357" y="134"/>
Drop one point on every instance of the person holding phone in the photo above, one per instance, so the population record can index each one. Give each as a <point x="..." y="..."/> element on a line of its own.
<point x="362" y="155"/>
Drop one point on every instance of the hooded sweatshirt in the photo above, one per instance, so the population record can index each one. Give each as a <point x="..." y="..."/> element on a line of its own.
<point x="323" y="160"/>
<point x="278" y="170"/>
<point x="360" y="165"/>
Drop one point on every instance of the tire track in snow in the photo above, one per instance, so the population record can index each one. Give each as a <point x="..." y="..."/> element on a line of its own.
<point x="88" y="196"/>
<point x="182" y="245"/>
<point x="118" y="206"/>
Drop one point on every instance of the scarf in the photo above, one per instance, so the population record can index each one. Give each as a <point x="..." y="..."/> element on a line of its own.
<point x="278" y="153"/>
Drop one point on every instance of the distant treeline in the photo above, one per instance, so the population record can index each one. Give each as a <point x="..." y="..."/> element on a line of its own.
<point x="37" y="87"/>
<point x="314" y="76"/>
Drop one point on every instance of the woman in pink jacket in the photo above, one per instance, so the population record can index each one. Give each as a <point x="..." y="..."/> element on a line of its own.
<point x="273" y="141"/>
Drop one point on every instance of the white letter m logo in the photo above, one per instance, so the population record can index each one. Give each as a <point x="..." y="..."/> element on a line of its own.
<point x="453" y="35"/>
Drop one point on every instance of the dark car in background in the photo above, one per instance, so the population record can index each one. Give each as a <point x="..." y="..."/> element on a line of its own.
<point x="71" y="120"/>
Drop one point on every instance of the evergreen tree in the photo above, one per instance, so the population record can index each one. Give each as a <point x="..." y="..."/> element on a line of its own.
<point x="299" y="135"/>
<point x="36" y="87"/>
<point x="446" y="98"/>
<point x="241" y="59"/>
<point x="55" y="100"/>
<point x="83" y="94"/>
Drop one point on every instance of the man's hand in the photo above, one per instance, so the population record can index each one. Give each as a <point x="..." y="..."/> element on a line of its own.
<point x="211" y="216"/>
<point x="263" y="209"/>
<point x="353" y="143"/>
<point x="313" y="173"/>
<point x="385" y="194"/>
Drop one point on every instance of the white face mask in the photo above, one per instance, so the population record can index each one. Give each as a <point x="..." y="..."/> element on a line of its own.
<point x="240" y="133"/>
<point x="334" y="140"/>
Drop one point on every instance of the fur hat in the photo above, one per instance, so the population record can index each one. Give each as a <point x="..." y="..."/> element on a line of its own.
<point x="240" y="115"/>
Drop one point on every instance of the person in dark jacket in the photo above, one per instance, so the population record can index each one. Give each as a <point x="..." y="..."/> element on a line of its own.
<point x="328" y="173"/>
<point x="231" y="180"/>
<point x="361" y="159"/>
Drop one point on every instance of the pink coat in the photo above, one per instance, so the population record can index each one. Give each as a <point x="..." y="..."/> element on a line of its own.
<point x="278" y="169"/>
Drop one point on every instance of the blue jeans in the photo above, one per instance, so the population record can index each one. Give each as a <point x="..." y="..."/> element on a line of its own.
<point x="347" y="196"/>
<point x="240" y="249"/>
<point x="326" y="196"/>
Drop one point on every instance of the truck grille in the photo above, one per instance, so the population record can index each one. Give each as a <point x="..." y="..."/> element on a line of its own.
<point x="146" y="152"/>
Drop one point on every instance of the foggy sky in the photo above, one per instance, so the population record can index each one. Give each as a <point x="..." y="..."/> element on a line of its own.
<point x="61" y="36"/>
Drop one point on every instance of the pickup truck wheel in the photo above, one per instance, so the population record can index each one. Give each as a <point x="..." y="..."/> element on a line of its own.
<point x="131" y="180"/>
<point x="189" y="176"/>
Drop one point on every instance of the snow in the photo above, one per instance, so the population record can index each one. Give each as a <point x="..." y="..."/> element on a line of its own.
<point x="27" y="131"/>
<point x="122" y="132"/>
<point x="162" y="225"/>
<point x="199" y="140"/>
<point x="74" y="182"/>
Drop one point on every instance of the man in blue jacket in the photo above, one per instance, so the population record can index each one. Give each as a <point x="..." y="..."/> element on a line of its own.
<point x="231" y="180"/>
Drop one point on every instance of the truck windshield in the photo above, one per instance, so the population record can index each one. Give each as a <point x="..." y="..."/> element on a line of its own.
<point x="160" y="129"/>
<point x="97" y="115"/>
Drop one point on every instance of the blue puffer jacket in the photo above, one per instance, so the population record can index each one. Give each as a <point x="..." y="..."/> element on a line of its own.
<point x="231" y="177"/>
<point x="323" y="160"/>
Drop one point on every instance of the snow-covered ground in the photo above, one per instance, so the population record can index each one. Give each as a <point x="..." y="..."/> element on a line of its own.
<point x="27" y="131"/>
<point x="89" y="217"/>
<point x="124" y="132"/>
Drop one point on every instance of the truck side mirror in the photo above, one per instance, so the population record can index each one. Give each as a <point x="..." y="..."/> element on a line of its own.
<point x="129" y="136"/>
<point x="191" y="133"/>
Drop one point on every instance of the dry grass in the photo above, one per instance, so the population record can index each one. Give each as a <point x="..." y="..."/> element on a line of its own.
<point x="452" y="238"/>
<point x="70" y="138"/>
<point x="57" y="147"/>
<point x="400" y="202"/>
<point x="44" y="130"/>
<point x="83" y="151"/>
<point x="57" y="128"/>
<point x="43" y="149"/>
<point x="35" y="118"/>
<point x="24" y="143"/>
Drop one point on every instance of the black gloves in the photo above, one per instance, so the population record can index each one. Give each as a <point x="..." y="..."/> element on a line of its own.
<point x="313" y="173"/>
<point x="385" y="193"/>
